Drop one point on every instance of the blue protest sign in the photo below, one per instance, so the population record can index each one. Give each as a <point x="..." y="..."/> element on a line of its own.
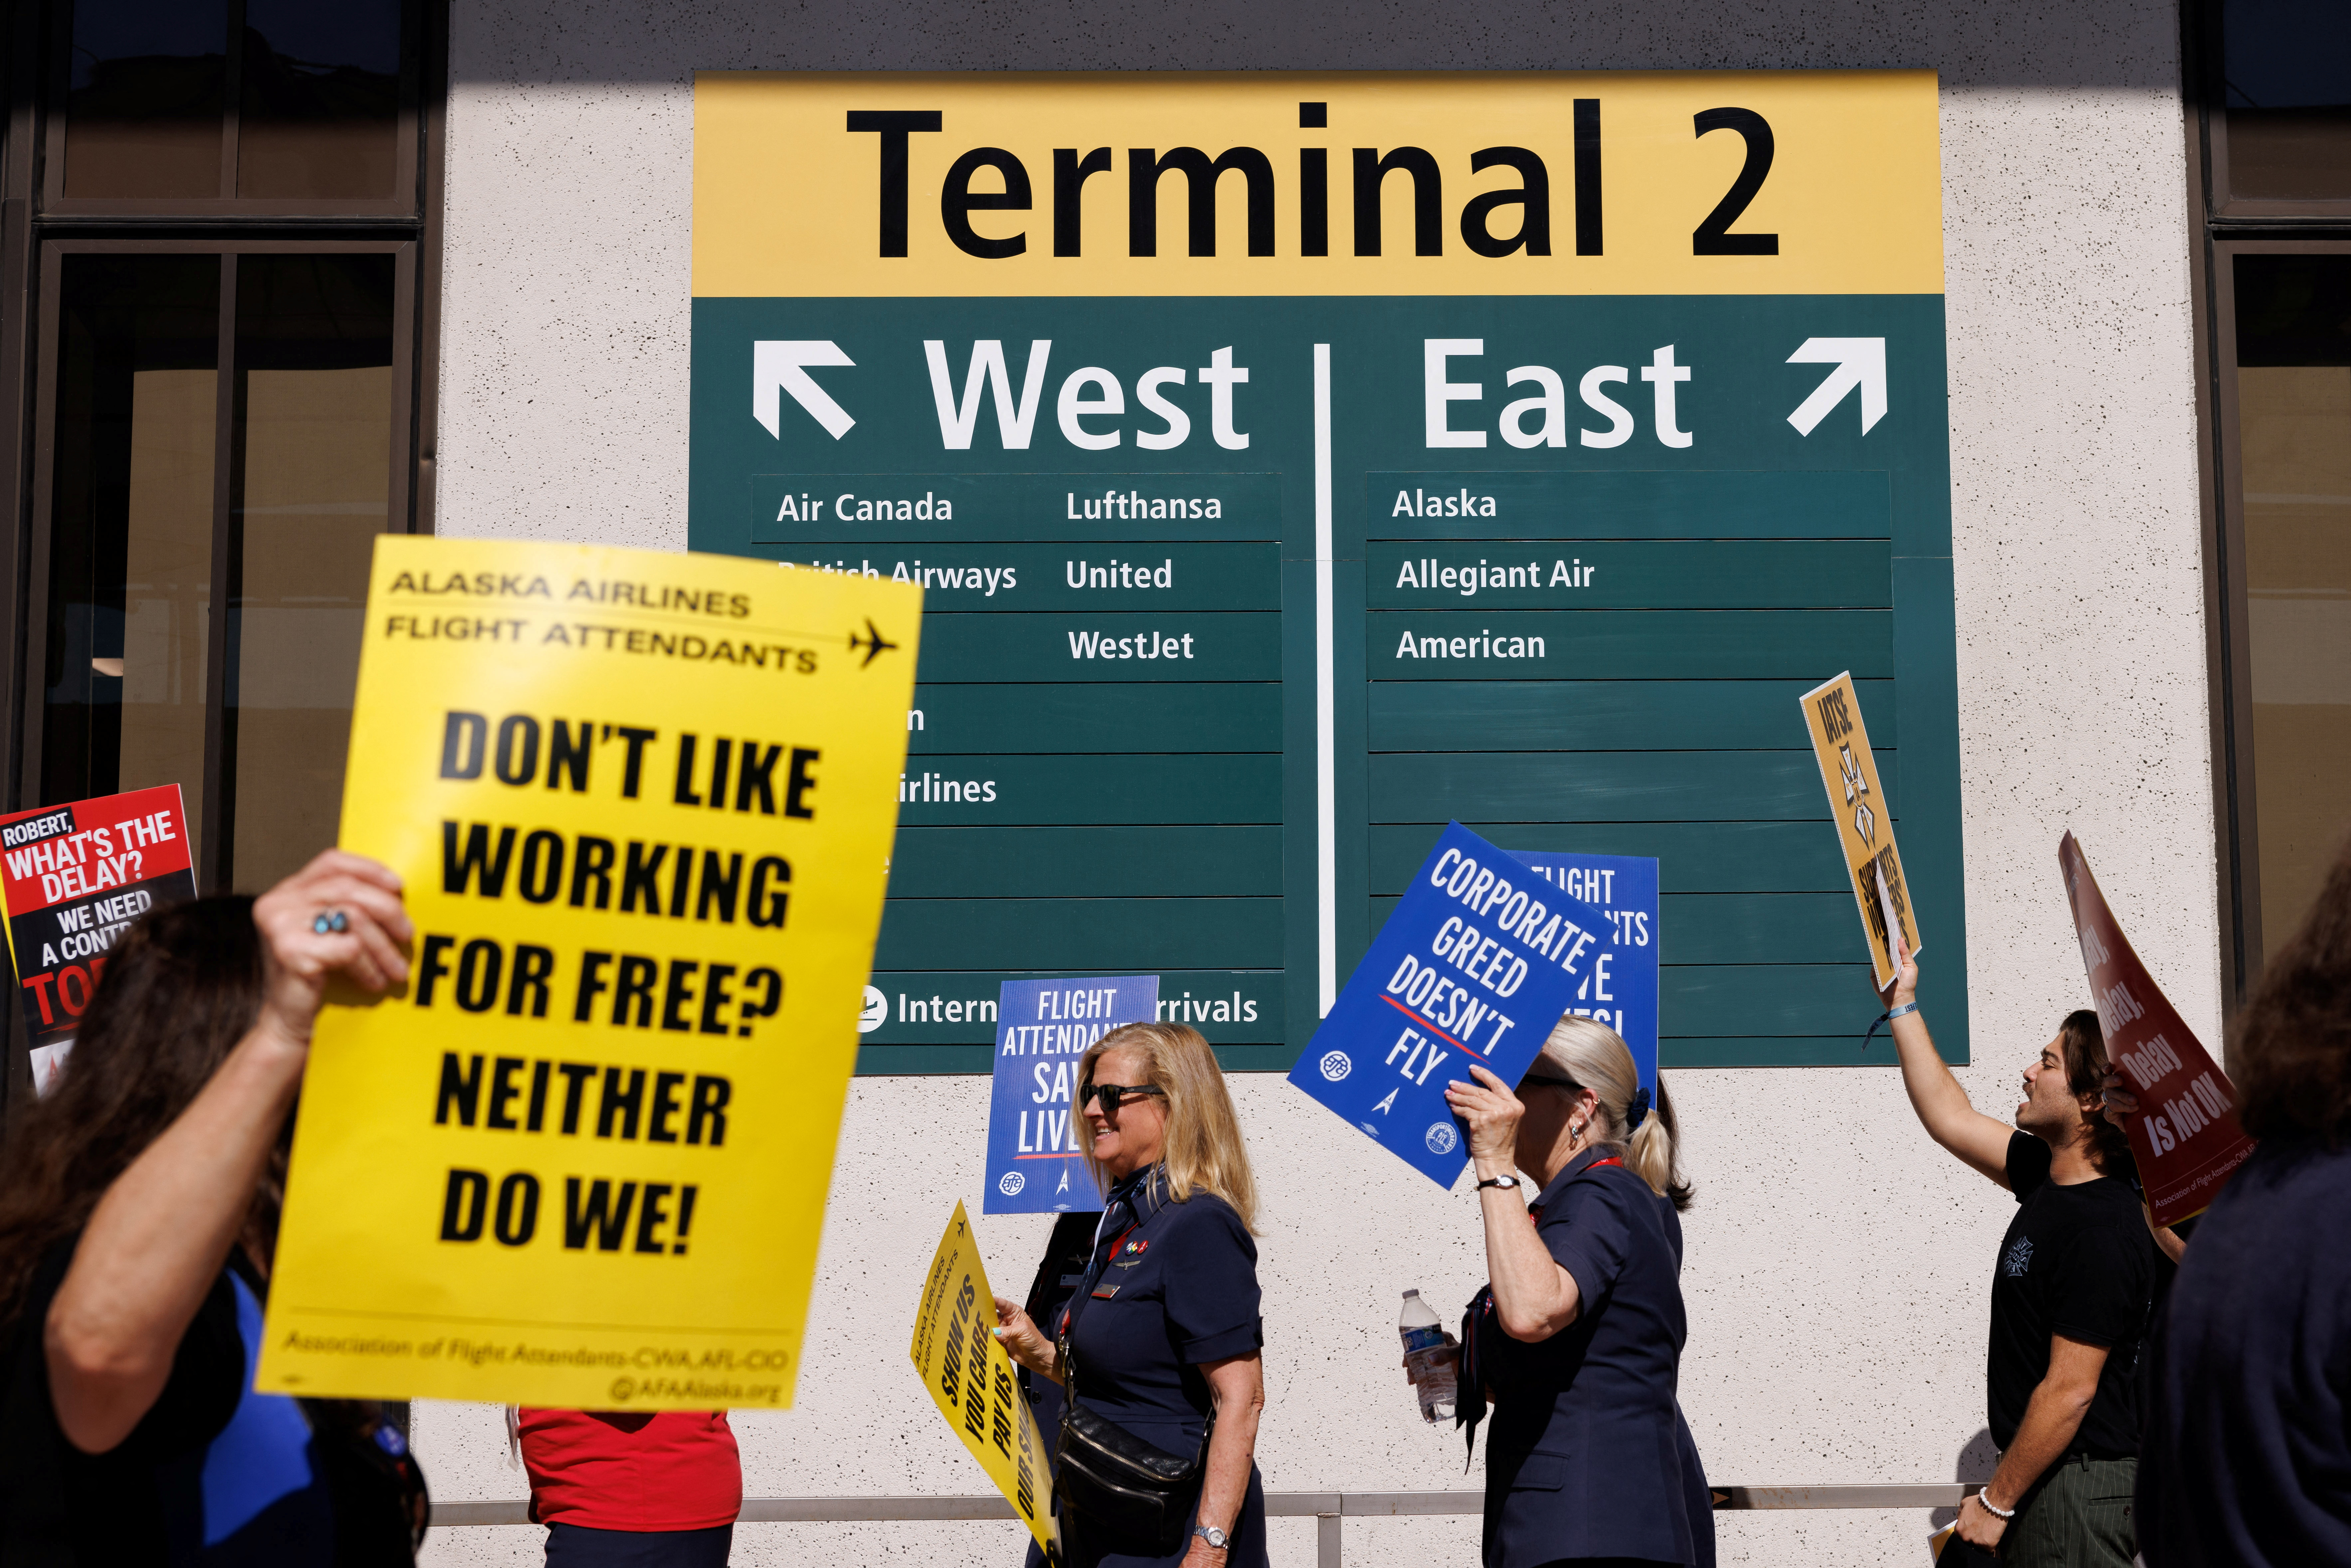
<point x="1622" y="991"/>
<point x="1035" y="1138"/>
<point x="1477" y="962"/>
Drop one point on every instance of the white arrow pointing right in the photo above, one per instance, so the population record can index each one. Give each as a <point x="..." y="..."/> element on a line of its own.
<point x="1860" y="362"/>
<point x="779" y="365"/>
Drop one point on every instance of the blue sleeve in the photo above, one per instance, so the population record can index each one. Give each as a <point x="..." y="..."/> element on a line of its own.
<point x="1589" y="1235"/>
<point x="1212" y="1297"/>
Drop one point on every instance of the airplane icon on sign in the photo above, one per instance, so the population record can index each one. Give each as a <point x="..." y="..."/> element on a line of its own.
<point x="874" y="642"/>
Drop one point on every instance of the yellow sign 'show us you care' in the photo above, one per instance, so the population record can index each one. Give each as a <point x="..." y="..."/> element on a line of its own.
<point x="643" y="806"/>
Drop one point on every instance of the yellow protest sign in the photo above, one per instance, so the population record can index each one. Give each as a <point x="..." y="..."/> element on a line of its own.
<point x="643" y="803"/>
<point x="971" y="1380"/>
<point x="1865" y="824"/>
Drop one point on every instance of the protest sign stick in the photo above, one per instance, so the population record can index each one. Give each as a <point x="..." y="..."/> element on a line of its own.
<point x="969" y="1376"/>
<point x="2184" y="1135"/>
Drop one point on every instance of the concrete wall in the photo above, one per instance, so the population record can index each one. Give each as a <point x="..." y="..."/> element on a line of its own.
<point x="1837" y="1264"/>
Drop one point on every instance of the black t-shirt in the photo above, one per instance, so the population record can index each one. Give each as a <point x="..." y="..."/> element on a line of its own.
<point x="2077" y="1260"/>
<point x="61" y="1508"/>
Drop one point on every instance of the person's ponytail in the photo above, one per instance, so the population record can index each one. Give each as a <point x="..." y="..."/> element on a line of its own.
<point x="1655" y="1153"/>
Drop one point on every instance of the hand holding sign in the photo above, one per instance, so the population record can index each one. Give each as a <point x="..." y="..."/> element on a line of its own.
<point x="339" y="914"/>
<point x="1491" y="1112"/>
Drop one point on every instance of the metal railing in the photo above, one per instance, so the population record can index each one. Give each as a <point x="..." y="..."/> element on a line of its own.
<point x="1329" y="1509"/>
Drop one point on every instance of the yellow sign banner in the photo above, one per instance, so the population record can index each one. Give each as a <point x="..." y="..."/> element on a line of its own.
<point x="970" y="1378"/>
<point x="900" y="185"/>
<point x="1864" y="822"/>
<point x="643" y="804"/>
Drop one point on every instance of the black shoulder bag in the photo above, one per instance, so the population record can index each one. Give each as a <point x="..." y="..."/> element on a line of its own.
<point x="1135" y="1494"/>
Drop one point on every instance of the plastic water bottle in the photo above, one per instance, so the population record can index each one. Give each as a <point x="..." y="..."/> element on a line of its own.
<point x="1424" y="1342"/>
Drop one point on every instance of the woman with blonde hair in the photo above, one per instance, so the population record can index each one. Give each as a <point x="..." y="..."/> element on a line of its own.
<point x="1159" y="1348"/>
<point x="1578" y="1338"/>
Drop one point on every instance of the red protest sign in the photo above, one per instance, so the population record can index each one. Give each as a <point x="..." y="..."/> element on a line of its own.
<point x="74" y="878"/>
<point x="2185" y="1136"/>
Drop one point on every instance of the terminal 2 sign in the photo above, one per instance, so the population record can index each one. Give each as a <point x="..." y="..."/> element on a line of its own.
<point x="1294" y="464"/>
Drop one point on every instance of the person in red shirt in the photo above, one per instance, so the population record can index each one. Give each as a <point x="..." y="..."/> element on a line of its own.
<point x="633" y="1488"/>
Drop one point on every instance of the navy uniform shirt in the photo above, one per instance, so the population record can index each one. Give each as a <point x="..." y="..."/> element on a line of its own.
<point x="1585" y="1458"/>
<point x="2248" y="1455"/>
<point x="1172" y="1286"/>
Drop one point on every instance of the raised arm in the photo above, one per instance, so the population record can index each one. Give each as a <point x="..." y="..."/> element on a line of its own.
<point x="1534" y="1298"/>
<point x="1943" y="1107"/>
<point x="157" y="1239"/>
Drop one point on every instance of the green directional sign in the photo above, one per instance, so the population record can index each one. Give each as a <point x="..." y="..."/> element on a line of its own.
<point x="1246" y="570"/>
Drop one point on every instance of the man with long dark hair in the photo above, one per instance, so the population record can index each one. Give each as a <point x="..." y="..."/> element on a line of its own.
<point x="2247" y="1457"/>
<point x="2070" y="1295"/>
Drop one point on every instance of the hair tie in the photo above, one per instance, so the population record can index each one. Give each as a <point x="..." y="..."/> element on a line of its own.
<point x="1637" y="1111"/>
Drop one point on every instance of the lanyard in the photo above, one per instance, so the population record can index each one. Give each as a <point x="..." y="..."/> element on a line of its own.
<point x="1100" y="1260"/>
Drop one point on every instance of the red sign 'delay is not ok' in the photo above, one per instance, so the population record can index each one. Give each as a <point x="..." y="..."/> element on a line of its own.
<point x="2185" y="1136"/>
<point x="75" y="877"/>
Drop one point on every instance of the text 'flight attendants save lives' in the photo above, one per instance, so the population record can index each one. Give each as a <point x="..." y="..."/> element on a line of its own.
<point x="642" y="804"/>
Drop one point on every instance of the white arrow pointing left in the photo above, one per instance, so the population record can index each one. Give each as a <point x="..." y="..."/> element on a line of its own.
<point x="779" y="365"/>
<point x="1860" y="362"/>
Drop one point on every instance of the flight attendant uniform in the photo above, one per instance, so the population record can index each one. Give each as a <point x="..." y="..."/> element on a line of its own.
<point x="1170" y="1286"/>
<point x="1589" y="1459"/>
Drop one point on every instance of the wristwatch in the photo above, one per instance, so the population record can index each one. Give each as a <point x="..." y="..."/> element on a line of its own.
<point x="1216" y="1539"/>
<point x="1497" y="1181"/>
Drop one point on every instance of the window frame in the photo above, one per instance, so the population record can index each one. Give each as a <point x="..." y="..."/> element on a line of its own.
<point x="402" y="203"/>
<point x="214" y="858"/>
<point x="2225" y="226"/>
<point x="2204" y="81"/>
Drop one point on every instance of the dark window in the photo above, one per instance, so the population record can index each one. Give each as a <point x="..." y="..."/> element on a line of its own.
<point x="147" y="88"/>
<point x="272" y="105"/>
<point x="155" y="520"/>
<point x="2285" y="66"/>
<point x="129" y="544"/>
<point x="2294" y="463"/>
<point x="313" y="488"/>
<point x="318" y="109"/>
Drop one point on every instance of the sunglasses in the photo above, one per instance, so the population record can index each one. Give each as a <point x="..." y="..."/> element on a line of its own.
<point x="1569" y="1084"/>
<point x="1110" y="1094"/>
